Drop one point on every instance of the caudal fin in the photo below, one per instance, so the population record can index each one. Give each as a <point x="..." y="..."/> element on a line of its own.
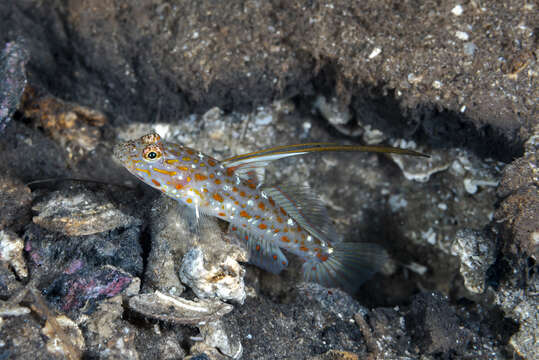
<point x="347" y="267"/>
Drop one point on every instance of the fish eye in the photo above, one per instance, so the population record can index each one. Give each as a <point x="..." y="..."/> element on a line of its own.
<point x="152" y="153"/>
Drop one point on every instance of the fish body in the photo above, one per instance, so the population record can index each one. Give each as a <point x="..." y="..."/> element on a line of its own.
<point x="267" y="218"/>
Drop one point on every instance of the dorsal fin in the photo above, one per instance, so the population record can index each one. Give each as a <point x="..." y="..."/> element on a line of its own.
<point x="251" y="166"/>
<point x="301" y="204"/>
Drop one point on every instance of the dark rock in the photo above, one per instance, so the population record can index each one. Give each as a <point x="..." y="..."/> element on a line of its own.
<point x="13" y="59"/>
<point x="52" y="254"/>
<point x="299" y="329"/>
<point x="15" y="198"/>
<point x="8" y="282"/>
<point x="22" y="339"/>
<point x="107" y="335"/>
<point x="154" y="53"/>
<point x="73" y="291"/>
<point x="519" y="208"/>
<point x="476" y="252"/>
<point x="390" y="333"/>
<point x="434" y="326"/>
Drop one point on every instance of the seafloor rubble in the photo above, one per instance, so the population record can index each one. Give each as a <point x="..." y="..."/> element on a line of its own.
<point x="94" y="264"/>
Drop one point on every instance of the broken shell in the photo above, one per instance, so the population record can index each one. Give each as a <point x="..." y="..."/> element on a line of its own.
<point x="79" y="212"/>
<point x="223" y="281"/>
<point x="178" y="310"/>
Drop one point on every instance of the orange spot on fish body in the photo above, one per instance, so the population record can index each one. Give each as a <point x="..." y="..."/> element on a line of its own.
<point x="262" y="226"/>
<point x="285" y="239"/>
<point x="182" y="168"/>
<point x="235" y="189"/>
<point x="229" y="172"/>
<point x="156" y="183"/>
<point x="242" y="193"/>
<point x="257" y="247"/>
<point x="261" y="206"/>
<point x="144" y="171"/>
<point x="283" y="262"/>
<point x="189" y="151"/>
<point x="217" y="181"/>
<point x="171" y="161"/>
<point x="274" y="257"/>
<point x="283" y="212"/>
<point x="198" y="193"/>
<point x="200" y="177"/>
<point x="222" y="214"/>
<point x="189" y="200"/>
<point x="211" y="162"/>
<point x="188" y="179"/>
<point x="271" y="201"/>
<point x="244" y="214"/>
<point x="279" y="219"/>
<point x="186" y="158"/>
<point x="234" y="228"/>
<point x="303" y="248"/>
<point x="276" y="231"/>
<point x="179" y="186"/>
<point x="212" y="176"/>
<point x="166" y="172"/>
<point x="218" y="197"/>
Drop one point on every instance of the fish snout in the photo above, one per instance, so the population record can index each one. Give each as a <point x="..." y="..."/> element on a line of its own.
<point x="124" y="151"/>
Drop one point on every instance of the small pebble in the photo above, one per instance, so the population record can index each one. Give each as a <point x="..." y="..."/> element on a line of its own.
<point x="462" y="35"/>
<point x="457" y="10"/>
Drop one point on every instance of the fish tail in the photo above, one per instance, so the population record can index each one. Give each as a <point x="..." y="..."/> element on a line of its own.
<point x="347" y="267"/>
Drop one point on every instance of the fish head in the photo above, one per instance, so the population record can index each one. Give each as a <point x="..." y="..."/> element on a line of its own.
<point x="141" y="155"/>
